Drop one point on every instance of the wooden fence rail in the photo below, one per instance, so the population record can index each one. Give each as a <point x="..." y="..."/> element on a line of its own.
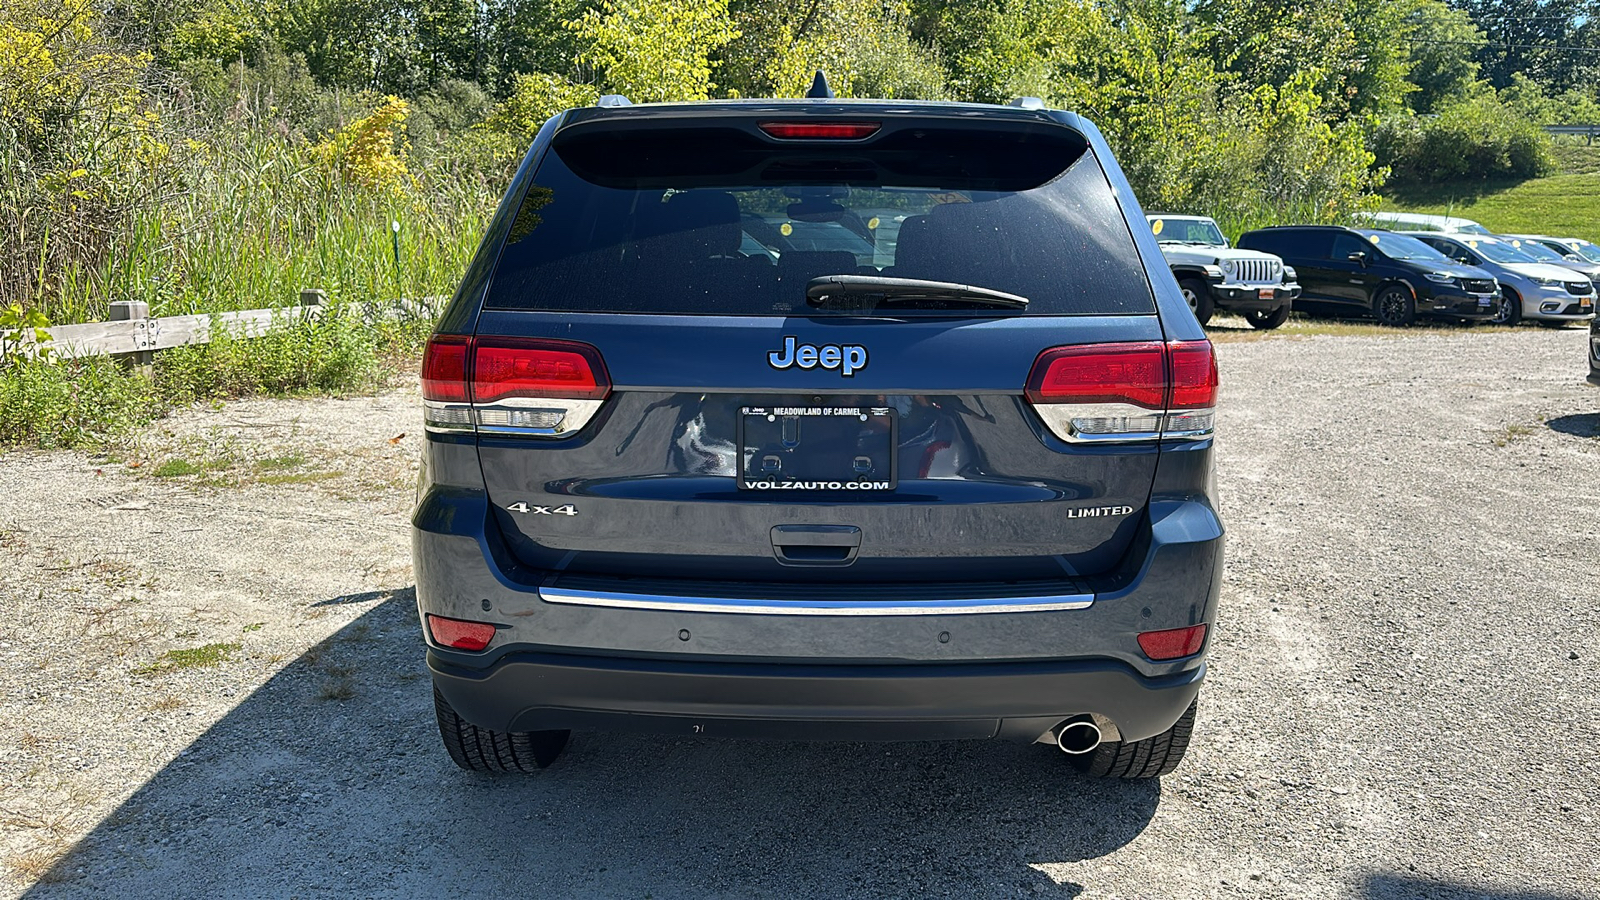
<point x="133" y="335"/>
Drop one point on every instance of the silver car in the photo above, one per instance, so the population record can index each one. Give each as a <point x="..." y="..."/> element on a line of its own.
<point x="1530" y="289"/>
<point x="1560" y="252"/>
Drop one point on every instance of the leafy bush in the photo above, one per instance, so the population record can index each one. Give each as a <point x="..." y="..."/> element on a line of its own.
<point x="1477" y="139"/>
<point x="71" y="403"/>
<point x="333" y="354"/>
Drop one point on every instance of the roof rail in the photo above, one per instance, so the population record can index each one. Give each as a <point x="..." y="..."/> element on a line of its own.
<point x="613" y="101"/>
<point x="1027" y="103"/>
<point x="819" y="88"/>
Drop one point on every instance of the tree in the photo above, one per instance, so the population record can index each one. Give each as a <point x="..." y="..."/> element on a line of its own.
<point x="1535" y="38"/>
<point x="1444" y="47"/>
<point x="1353" y="53"/>
<point x="655" y="49"/>
<point x="864" y="46"/>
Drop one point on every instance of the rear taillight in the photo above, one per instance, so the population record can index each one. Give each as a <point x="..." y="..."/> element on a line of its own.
<point x="444" y="368"/>
<point x="521" y="386"/>
<point x="1194" y="375"/>
<point x="1175" y="643"/>
<point x="510" y="368"/>
<point x="827" y="131"/>
<point x="1140" y="391"/>
<point x="460" y="634"/>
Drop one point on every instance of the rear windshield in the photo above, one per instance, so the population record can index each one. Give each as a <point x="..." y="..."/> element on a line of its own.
<point x="729" y="224"/>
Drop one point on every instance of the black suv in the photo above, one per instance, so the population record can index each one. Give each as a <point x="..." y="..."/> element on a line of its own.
<point x="687" y="474"/>
<point x="1358" y="271"/>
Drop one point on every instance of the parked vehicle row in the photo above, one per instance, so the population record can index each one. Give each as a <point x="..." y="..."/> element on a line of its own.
<point x="1443" y="268"/>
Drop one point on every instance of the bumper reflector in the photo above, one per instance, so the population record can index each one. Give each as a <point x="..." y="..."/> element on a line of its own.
<point x="458" y="634"/>
<point x="1174" y="643"/>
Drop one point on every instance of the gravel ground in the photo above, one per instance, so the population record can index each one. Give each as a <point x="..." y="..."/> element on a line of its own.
<point x="1402" y="700"/>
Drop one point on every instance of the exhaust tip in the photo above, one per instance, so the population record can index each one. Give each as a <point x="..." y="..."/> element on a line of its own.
<point x="1078" y="736"/>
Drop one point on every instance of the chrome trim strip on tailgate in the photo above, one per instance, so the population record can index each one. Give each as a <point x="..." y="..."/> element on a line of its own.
<point x="622" y="600"/>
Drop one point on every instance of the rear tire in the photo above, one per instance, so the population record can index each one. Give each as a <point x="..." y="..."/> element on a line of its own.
<point x="1198" y="293"/>
<point x="1394" y="306"/>
<point x="481" y="750"/>
<point x="1266" y="321"/>
<point x="1149" y="758"/>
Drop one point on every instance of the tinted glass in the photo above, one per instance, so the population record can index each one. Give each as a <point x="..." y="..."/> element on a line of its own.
<point x="1289" y="243"/>
<point x="1586" y="250"/>
<point x="736" y="226"/>
<point x="1188" y="231"/>
<point x="1454" y="251"/>
<point x="1536" y="251"/>
<point x="1344" y="246"/>
<point x="1495" y="251"/>
<point x="1400" y="246"/>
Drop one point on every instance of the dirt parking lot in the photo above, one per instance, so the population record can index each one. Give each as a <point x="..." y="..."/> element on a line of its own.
<point x="214" y="685"/>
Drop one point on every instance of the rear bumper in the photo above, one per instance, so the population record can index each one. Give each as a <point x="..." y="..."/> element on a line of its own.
<point x="1015" y="701"/>
<point x="1002" y="669"/>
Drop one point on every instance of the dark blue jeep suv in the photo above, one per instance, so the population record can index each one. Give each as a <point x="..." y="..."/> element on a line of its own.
<point x="819" y="419"/>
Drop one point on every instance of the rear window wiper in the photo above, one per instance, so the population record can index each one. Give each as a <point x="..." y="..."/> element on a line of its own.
<point x="855" y="291"/>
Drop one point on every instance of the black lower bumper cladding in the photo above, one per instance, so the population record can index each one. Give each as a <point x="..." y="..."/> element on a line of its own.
<point x="535" y="691"/>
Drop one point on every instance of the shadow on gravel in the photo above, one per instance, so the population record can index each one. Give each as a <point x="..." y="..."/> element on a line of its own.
<point x="1385" y="886"/>
<point x="1582" y="425"/>
<point x="296" y="792"/>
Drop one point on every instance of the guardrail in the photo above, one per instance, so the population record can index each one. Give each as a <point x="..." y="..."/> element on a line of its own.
<point x="133" y="336"/>
<point x="1589" y="132"/>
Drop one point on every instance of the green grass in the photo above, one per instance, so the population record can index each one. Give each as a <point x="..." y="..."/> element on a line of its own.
<point x="1561" y="205"/>
<point x="1564" y="205"/>
<point x="192" y="658"/>
<point x="295" y="477"/>
<point x="280" y="463"/>
<point x="177" y="468"/>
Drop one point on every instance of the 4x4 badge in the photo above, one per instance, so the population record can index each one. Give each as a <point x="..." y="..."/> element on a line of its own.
<point x="847" y="358"/>
<point x="567" y="510"/>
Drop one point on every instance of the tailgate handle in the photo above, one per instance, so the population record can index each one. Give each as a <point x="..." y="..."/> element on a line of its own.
<point x="816" y="545"/>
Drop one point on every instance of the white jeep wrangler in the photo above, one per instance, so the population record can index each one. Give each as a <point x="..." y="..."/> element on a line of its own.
<point x="1215" y="276"/>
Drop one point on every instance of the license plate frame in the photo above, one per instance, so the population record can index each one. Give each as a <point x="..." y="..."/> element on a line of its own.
<point x="835" y="452"/>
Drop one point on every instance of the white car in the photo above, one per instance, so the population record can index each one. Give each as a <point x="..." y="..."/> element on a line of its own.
<point x="1543" y="292"/>
<point x="1397" y="221"/>
<point x="1214" y="275"/>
